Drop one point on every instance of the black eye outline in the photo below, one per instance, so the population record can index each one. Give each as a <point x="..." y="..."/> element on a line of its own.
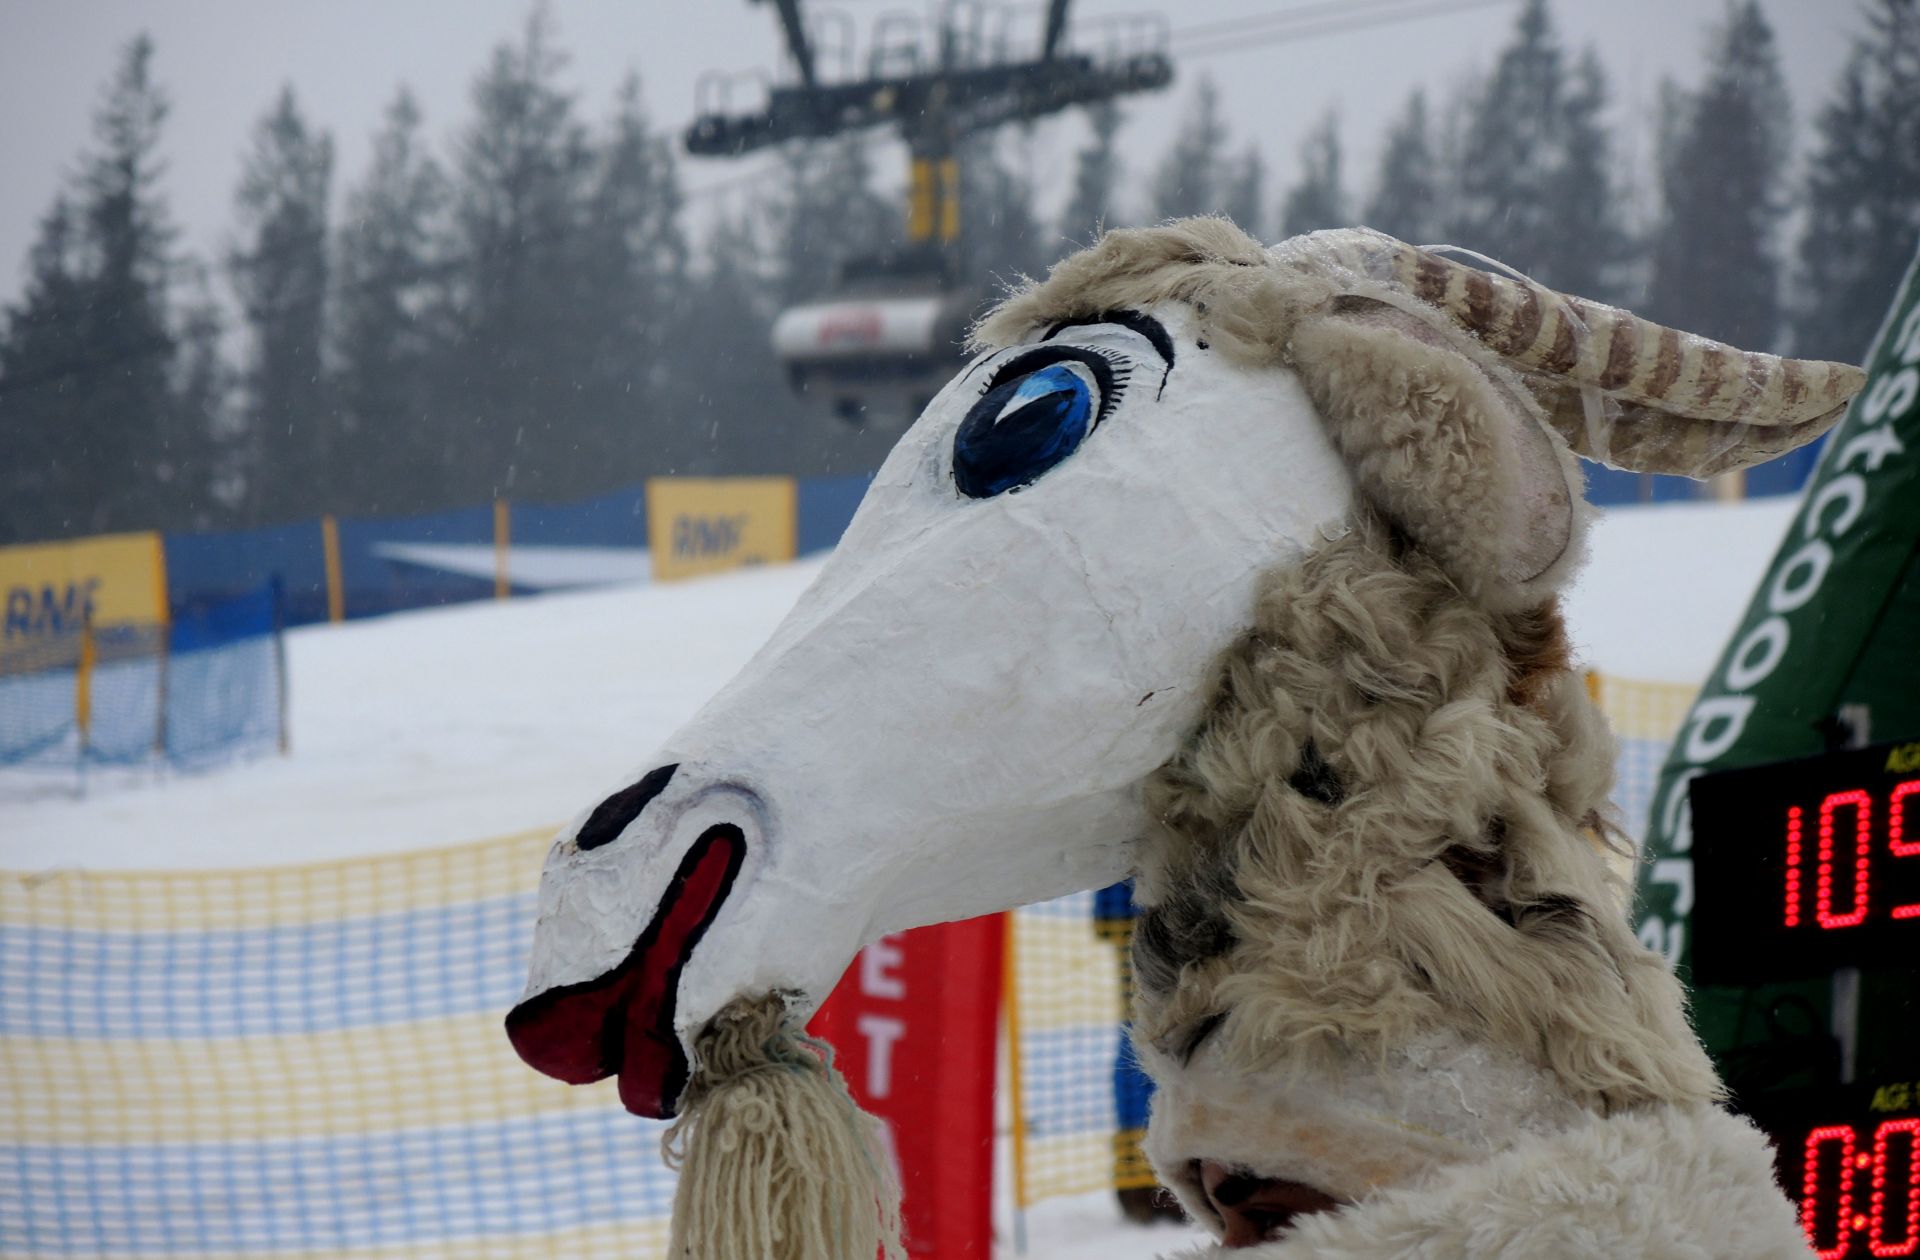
<point x="1110" y="370"/>
<point x="1134" y="321"/>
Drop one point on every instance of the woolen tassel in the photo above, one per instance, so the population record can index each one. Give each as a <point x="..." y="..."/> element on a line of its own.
<point x="776" y="1160"/>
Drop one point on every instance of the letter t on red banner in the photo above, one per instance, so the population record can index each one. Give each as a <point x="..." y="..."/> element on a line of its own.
<point x="913" y="1025"/>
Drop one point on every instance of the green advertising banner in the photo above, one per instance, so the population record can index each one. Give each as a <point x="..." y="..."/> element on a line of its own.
<point x="1826" y="653"/>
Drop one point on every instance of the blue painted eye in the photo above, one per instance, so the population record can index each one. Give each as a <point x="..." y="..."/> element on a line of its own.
<point x="1029" y="420"/>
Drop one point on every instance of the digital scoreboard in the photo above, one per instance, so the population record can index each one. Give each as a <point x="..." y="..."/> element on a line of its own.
<point x="1805" y="867"/>
<point x="1848" y="1157"/>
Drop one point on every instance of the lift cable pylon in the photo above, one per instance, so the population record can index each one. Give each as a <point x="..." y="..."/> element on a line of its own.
<point x="876" y="348"/>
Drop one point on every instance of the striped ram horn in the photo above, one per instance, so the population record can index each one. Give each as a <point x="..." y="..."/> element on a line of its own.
<point x="1621" y="389"/>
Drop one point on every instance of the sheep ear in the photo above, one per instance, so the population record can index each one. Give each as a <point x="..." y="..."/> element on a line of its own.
<point x="1449" y="445"/>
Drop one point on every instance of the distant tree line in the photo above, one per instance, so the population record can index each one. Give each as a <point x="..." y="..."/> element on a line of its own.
<point x="520" y="315"/>
<point x="526" y="315"/>
<point x="1523" y="167"/>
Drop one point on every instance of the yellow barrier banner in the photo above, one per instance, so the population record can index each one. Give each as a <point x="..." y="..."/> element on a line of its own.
<point x="708" y="525"/>
<point x="52" y="589"/>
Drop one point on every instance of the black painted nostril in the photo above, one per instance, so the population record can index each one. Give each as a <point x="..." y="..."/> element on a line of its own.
<point x="612" y="815"/>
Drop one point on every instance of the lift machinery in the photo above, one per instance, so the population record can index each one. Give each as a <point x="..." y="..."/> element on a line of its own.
<point x="875" y="349"/>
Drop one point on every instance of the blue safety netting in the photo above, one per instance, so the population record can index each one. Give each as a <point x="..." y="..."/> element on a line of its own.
<point x="825" y="506"/>
<point x="201" y="690"/>
<point x="1784" y="474"/>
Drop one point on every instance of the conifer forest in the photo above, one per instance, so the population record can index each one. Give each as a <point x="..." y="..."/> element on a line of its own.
<point x="524" y="303"/>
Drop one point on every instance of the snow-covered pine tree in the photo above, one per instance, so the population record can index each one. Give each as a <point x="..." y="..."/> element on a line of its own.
<point x="390" y="322"/>
<point x="1244" y="198"/>
<point x="198" y="447"/>
<point x="1584" y="234"/>
<point x="1406" y="198"/>
<point x="1317" y="200"/>
<point x="1187" y="180"/>
<point x="1716" y="269"/>
<point x="1510" y="145"/>
<point x="1863" y="189"/>
<point x="1093" y="206"/>
<point x="85" y="372"/>
<point x="632" y="394"/>
<point x="293" y="462"/>
<point x="521" y="181"/>
<point x="999" y="230"/>
<point x="830" y="215"/>
<point x="722" y="324"/>
<point x="129" y="244"/>
<point x="44" y="363"/>
<point x="1535" y="184"/>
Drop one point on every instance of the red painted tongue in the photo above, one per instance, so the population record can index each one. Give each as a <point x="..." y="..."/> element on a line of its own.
<point x="559" y="1032"/>
<point x="645" y="1065"/>
<point x="653" y="1070"/>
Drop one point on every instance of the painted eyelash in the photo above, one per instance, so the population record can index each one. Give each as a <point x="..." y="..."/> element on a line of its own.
<point x="1119" y="368"/>
<point x="1119" y="362"/>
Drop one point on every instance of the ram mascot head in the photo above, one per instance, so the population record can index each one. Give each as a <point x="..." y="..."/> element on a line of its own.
<point x="1234" y="567"/>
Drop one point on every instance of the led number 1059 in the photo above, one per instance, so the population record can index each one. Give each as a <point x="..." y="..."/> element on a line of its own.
<point x="1798" y="867"/>
<point x="1833" y="850"/>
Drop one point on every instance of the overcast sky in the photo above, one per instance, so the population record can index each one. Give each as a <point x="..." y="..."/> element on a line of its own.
<point x="223" y="61"/>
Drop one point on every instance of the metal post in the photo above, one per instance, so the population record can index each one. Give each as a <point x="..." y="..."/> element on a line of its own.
<point x="922" y="200"/>
<point x="83" y="696"/>
<point x="1010" y="1002"/>
<point x="949" y="200"/>
<point x="501" y="535"/>
<point x="280" y="658"/>
<point x="330" y="547"/>
<point x="163" y="652"/>
<point x="83" y="684"/>
<point x="1844" y="1019"/>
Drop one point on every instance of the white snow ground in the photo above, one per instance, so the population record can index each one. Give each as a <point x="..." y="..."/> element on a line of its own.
<point x="462" y="723"/>
<point x="1666" y="584"/>
<point x="430" y="728"/>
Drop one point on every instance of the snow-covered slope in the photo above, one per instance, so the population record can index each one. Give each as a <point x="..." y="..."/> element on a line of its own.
<point x="461" y="723"/>
<point x="1666" y="584"/>
<point x="430" y="728"/>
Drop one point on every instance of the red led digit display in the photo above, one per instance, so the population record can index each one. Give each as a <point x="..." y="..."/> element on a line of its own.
<point x="1859" y="847"/>
<point x="1792" y="880"/>
<point x="1895" y="1199"/>
<point x="1802" y="867"/>
<point x="1859" y="1189"/>
<point x="1835" y="1190"/>
<point x="1847" y="1154"/>
<point x="1896" y="843"/>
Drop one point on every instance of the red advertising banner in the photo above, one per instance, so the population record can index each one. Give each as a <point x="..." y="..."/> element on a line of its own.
<point x="913" y="1024"/>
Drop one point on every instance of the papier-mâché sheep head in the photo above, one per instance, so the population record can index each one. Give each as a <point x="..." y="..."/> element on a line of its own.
<point x="958" y="715"/>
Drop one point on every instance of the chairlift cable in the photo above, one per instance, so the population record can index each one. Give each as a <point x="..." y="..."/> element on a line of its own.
<point x="1215" y="44"/>
<point x="1258" y="23"/>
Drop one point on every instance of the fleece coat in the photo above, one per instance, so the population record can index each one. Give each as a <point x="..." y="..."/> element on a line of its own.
<point x="1381" y="952"/>
<point x="1652" y="1183"/>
